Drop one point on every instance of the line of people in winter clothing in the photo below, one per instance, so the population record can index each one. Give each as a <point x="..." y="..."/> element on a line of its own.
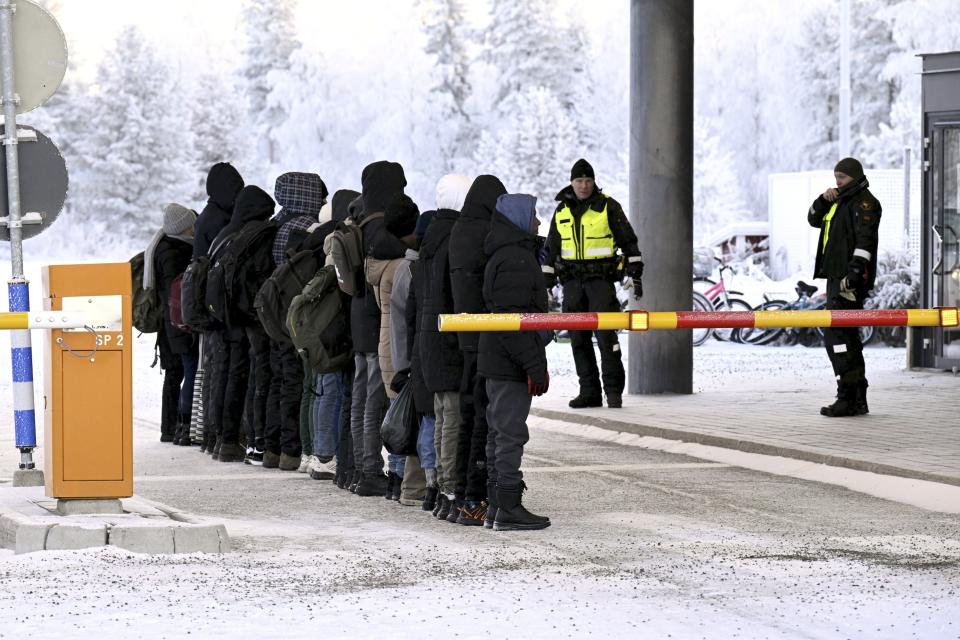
<point x="262" y="402"/>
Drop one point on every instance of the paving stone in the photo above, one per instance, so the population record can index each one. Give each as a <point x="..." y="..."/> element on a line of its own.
<point x="62" y="537"/>
<point x="142" y="539"/>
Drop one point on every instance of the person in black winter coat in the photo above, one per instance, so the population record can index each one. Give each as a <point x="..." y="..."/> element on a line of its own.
<point x="467" y="260"/>
<point x="848" y="217"/>
<point x="381" y="183"/>
<point x="514" y="363"/>
<point x="301" y="196"/>
<point x="253" y="205"/>
<point x="223" y="185"/>
<point x="170" y="256"/>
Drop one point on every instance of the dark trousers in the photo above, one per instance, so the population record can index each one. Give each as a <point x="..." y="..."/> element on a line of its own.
<point x="215" y="361"/>
<point x="235" y="389"/>
<point x="189" y="361"/>
<point x="507" y="414"/>
<point x="471" y="474"/>
<point x="844" y="347"/>
<point x="594" y="295"/>
<point x="286" y="396"/>
<point x="172" y="367"/>
<point x="345" y="461"/>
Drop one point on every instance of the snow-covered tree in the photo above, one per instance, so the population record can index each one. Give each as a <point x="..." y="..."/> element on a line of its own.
<point x="897" y="284"/>
<point x="528" y="49"/>
<point x="137" y="147"/>
<point x="717" y="197"/>
<point x="445" y="31"/>
<point x="270" y="42"/>
<point x="216" y="120"/>
<point x="531" y="157"/>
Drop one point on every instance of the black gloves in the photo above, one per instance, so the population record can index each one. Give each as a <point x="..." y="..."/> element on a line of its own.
<point x="857" y="273"/>
<point x="400" y="380"/>
<point x="634" y="271"/>
<point x="538" y="383"/>
<point x="549" y="276"/>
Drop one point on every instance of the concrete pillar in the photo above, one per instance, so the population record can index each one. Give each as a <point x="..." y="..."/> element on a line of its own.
<point x="661" y="185"/>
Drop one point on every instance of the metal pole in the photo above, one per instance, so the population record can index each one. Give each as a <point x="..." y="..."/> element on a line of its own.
<point x="18" y="288"/>
<point x="661" y="184"/>
<point x="844" y="146"/>
<point x="906" y="197"/>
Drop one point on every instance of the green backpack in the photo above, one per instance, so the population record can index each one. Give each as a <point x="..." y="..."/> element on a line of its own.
<point x="147" y="311"/>
<point x="319" y="323"/>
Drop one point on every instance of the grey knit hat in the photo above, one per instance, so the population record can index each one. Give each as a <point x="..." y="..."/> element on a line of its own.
<point x="177" y="219"/>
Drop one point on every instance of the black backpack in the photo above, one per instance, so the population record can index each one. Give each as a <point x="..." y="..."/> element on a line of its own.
<point x="288" y="280"/>
<point x="193" y="287"/>
<point x="319" y="323"/>
<point x="147" y="309"/>
<point x="239" y="271"/>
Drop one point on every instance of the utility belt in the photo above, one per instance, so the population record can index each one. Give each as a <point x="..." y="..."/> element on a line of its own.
<point x="610" y="269"/>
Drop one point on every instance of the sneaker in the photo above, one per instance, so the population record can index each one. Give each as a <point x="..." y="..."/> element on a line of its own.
<point x="583" y="402"/>
<point x="473" y="513"/>
<point x="271" y="460"/>
<point x="288" y="463"/>
<point x="304" y="463"/>
<point x="322" y="470"/>
<point x="254" y="457"/>
<point x="430" y="499"/>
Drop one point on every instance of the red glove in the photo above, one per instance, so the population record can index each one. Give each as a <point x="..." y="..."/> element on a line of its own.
<point x="537" y="386"/>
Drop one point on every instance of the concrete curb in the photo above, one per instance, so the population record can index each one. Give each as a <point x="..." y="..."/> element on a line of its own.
<point x="185" y="533"/>
<point x="747" y="446"/>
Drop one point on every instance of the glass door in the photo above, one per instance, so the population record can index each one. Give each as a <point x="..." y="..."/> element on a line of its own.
<point x="946" y="216"/>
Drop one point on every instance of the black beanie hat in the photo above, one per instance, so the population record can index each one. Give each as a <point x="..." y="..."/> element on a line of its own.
<point x="401" y="215"/>
<point x="850" y="167"/>
<point x="581" y="169"/>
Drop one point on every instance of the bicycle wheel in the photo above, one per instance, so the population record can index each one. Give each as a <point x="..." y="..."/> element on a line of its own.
<point x="736" y="304"/>
<point x="762" y="336"/>
<point x="700" y="303"/>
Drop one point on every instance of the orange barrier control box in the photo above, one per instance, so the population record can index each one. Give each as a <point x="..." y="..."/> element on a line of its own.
<point x="88" y="401"/>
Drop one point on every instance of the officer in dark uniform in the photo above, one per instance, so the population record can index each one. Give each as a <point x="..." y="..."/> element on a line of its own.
<point x="587" y="230"/>
<point x="848" y="217"/>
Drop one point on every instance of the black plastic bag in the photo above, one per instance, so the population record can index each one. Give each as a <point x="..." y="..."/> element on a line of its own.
<point x="401" y="426"/>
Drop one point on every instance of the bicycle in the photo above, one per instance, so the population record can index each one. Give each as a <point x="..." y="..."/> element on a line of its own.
<point x="720" y="300"/>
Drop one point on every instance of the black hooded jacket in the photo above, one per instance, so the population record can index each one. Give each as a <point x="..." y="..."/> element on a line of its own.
<point x="467" y="257"/>
<point x="223" y="185"/>
<point x="512" y="283"/>
<point x="170" y="259"/>
<point x="440" y="353"/>
<point x="381" y="182"/>
<point x="340" y="204"/>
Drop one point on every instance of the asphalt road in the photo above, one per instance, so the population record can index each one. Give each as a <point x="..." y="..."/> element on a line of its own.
<point x="643" y="544"/>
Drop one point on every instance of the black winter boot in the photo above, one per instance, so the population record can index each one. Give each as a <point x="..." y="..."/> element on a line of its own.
<point x="391" y="480"/>
<point x="372" y="485"/>
<point x="845" y="404"/>
<point x="231" y="453"/>
<point x="354" y="481"/>
<point x="615" y="400"/>
<point x="430" y="499"/>
<point x="512" y="515"/>
<point x="455" y="506"/>
<point x="492" y="505"/>
<point x="443" y="507"/>
<point x="584" y="401"/>
<point x="861" y="403"/>
<point x="183" y="434"/>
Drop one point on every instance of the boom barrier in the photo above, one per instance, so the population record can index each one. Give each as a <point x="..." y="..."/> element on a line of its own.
<point x="665" y="320"/>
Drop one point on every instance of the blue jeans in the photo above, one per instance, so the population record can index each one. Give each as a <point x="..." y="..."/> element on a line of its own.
<point x="326" y="415"/>
<point x="425" y="447"/>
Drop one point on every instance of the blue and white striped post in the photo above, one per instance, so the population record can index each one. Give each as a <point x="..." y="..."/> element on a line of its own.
<point x="21" y="355"/>
<point x="18" y="288"/>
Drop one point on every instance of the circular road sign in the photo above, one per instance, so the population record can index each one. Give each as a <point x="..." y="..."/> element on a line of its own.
<point x="43" y="182"/>
<point x="39" y="55"/>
